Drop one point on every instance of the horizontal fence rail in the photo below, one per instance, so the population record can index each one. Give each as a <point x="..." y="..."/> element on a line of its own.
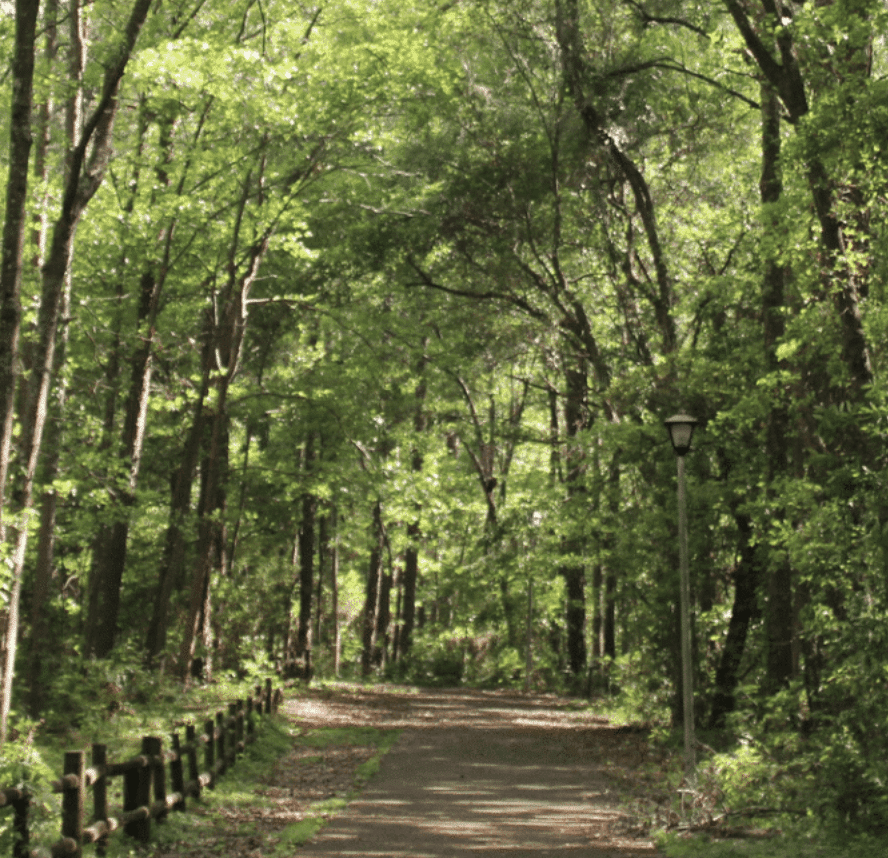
<point x="155" y="782"/>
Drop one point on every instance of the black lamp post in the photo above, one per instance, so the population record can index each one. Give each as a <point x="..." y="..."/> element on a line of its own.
<point x="681" y="429"/>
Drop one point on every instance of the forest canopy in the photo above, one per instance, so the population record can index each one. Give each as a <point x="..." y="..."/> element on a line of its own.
<point x="340" y="336"/>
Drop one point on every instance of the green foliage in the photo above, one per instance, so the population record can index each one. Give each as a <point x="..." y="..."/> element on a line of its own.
<point x="638" y="694"/>
<point x="460" y="284"/>
<point x="24" y="766"/>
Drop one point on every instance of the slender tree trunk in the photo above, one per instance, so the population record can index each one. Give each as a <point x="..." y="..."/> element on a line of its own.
<point x="172" y="568"/>
<point x="111" y="551"/>
<point x="610" y="579"/>
<point x="232" y="550"/>
<point x="44" y="566"/>
<point x="574" y="572"/>
<point x="779" y="619"/>
<point x="746" y="582"/>
<point x="414" y="531"/>
<point x="306" y="556"/>
<point x="374" y="585"/>
<point x="598" y="612"/>
<point x="14" y="225"/>
<point x="227" y="323"/>
<point x="324" y="557"/>
<point x="383" y="618"/>
<point x="207" y="540"/>
<point x="334" y="590"/>
<point x="39" y="641"/>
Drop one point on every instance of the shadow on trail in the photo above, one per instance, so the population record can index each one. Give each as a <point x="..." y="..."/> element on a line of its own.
<point x="480" y="772"/>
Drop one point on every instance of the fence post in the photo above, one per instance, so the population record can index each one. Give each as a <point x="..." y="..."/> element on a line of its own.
<point x="137" y="794"/>
<point x="210" y="752"/>
<point x="239" y="726"/>
<point x="231" y="725"/>
<point x="250" y="726"/>
<point x="152" y="747"/>
<point x="22" y="842"/>
<point x="100" y="792"/>
<point x="177" y="772"/>
<point x="72" y="800"/>
<point x="193" y="769"/>
<point x="221" y="758"/>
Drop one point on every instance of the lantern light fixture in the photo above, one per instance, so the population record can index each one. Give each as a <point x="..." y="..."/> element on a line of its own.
<point x="681" y="429"/>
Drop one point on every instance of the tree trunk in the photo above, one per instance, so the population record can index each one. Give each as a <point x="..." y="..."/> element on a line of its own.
<point x="227" y="324"/>
<point x="306" y="555"/>
<point x="15" y="221"/>
<point x="111" y="546"/>
<point x="172" y="568"/>
<point x="324" y="561"/>
<point x="374" y="585"/>
<point x="779" y="624"/>
<point x="746" y="581"/>
<point x="207" y="539"/>
<point x="574" y="572"/>
<point x="334" y="595"/>
<point x="414" y="532"/>
<point x="39" y="640"/>
<point x="383" y="618"/>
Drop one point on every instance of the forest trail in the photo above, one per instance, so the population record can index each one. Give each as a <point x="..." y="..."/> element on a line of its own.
<point x="480" y="772"/>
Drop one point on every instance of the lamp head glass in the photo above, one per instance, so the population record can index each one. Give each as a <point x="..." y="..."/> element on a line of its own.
<point x="681" y="429"/>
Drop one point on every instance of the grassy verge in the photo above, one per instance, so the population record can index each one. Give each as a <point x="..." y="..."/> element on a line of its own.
<point x="798" y="841"/>
<point x="241" y="816"/>
<point x="319" y="813"/>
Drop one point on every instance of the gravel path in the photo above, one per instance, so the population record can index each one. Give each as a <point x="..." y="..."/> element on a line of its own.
<point x="477" y="773"/>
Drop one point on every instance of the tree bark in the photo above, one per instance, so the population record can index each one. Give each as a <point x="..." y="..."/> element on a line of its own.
<point x="39" y="639"/>
<point x="334" y="593"/>
<point x="576" y="418"/>
<point x="171" y="573"/>
<point x="227" y="324"/>
<point x="15" y="221"/>
<point x="414" y="532"/>
<point x="372" y="592"/>
<point x="109" y="554"/>
<point x="743" y="611"/>
<point x="779" y="620"/>
<point x="306" y="554"/>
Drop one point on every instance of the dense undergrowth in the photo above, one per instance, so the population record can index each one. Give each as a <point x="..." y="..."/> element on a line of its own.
<point x="770" y="784"/>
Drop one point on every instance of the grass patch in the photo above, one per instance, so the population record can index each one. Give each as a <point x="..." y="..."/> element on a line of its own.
<point x="296" y="834"/>
<point x="326" y="737"/>
<point x="798" y="843"/>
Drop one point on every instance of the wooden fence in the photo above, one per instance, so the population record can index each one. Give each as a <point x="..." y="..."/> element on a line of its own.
<point x="154" y="782"/>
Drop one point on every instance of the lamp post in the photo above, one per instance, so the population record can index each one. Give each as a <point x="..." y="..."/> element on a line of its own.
<point x="681" y="428"/>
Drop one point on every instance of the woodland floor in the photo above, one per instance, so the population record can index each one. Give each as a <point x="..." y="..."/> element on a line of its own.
<point x="472" y="773"/>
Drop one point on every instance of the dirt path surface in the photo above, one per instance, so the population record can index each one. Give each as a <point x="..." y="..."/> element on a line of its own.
<point x="477" y="773"/>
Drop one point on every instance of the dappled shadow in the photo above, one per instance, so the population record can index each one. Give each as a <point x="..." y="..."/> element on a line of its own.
<point x="480" y="772"/>
<point x="389" y="707"/>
